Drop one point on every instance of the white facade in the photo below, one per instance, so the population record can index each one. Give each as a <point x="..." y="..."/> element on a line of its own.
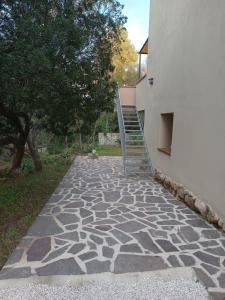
<point x="187" y="61"/>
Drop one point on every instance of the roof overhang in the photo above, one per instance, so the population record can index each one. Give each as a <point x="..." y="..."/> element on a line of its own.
<point x="144" y="48"/>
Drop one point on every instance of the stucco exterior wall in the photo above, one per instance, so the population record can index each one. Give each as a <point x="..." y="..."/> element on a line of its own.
<point x="128" y="96"/>
<point x="187" y="61"/>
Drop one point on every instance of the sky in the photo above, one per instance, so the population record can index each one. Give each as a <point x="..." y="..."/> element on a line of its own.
<point x="137" y="24"/>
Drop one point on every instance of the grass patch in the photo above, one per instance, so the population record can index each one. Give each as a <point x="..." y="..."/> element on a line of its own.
<point x="114" y="150"/>
<point x="22" y="198"/>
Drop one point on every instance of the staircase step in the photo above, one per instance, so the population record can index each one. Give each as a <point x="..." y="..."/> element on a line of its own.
<point x="135" y="141"/>
<point x="136" y="157"/>
<point x="129" y="116"/>
<point x="136" y="135"/>
<point x="130" y="146"/>
<point x="125" y="121"/>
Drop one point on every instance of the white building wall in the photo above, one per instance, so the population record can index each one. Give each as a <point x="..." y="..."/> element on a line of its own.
<point x="187" y="61"/>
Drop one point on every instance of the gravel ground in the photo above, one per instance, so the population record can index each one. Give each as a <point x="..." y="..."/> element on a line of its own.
<point x="149" y="287"/>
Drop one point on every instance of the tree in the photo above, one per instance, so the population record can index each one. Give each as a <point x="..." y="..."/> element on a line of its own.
<point x="125" y="61"/>
<point x="55" y="60"/>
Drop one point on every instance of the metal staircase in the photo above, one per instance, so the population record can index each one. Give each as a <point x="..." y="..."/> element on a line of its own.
<point x="136" y="159"/>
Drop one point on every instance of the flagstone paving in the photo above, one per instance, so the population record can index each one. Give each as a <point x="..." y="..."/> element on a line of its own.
<point x="100" y="221"/>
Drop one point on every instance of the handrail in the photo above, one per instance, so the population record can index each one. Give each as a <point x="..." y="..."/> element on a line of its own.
<point x="121" y="125"/>
<point x="146" y="148"/>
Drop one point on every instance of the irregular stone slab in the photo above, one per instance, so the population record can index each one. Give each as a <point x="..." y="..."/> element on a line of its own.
<point x="146" y="242"/>
<point x="119" y="219"/>
<point x="95" y="231"/>
<point x="101" y="206"/>
<point x="189" y="247"/>
<point x="96" y="266"/>
<point x="103" y="227"/>
<point x="204" y="278"/>
<point x="15" y="256"/>
<point x="219" y="251"/>
<point x="72" y="236"/>
<point x="209" y="243"/>
<point x="59" y="242"/>
<point x="169" y="210"/>
<point x="114" y="212"/>
<point x="56" y="253"/>
<point x="77" y="204"/>
<point x="85" y="213"/>
<point x="211" y="234"/>
<point x="76" y="248"/>
<point x="129" y="216"/>
<point x="88" y="255"/>
<point x="158" y="233"/>
<point x="8" y="273"/>
<point x="223" y="243"/>
<point x="44" y="225"/>
<point x="111" y="241"/>
<point x="140" y="204"/>
<point x="217" y="295"/>
<point x="123" y="209"/>
<point x="76" y="191"/>
<point x="107" y="252"/>
<point x="197" y="223"/>
<point x="138" y="263"/>
<point x="88" y="220"/>
<point x="221" y="280"/>
<point x="122" y="237"/>
<point x="91" y="246"/>
<point x="55" y="198"/>
<point x="139" y="214"/>
<point x="172" y="259"/>
<point x="39" y="249"/>
<point x="167" y="246"/>
<point x="187" y="260"/>
<point x="207" y="258"/>
<point x="101" y="214"/>
<point x="105" y="222"/>
<point x="131" y="248"/>
<point x="188" y="234"/>
<point x="83" y="235"/>
<point x="211" y="270"/>
<point x="66" y="218"/>
<point x="130" y="226"/>
<point x="60" y="267"/>
<point x="72" y="227"/>
<point x="127" y="200"/>
<point x="25" y="242"/>
<point x="96" y="239"/>
<point x="112" y="196"/>
<point x="56" y="210"/>
<point x="169" y="222"/>
<point x="88" y="198"/>
<point x="154" y="199"/>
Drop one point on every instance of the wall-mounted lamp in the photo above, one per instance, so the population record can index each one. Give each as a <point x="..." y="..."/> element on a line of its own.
<point x="151" y="80"/>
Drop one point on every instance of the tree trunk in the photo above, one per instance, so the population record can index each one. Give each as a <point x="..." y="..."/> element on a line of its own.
<point x="17" y="159"/>
<point x="34" y="154"/>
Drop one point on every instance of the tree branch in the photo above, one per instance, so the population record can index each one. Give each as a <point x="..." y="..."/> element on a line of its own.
<point x="8" y="140"/>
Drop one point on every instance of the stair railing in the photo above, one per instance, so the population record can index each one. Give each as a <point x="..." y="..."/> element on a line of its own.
<point x="121" y="126"/>
<point x="146" y="148"/>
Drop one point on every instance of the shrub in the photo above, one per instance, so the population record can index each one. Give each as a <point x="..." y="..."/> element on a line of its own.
<point x="27" y="166"/>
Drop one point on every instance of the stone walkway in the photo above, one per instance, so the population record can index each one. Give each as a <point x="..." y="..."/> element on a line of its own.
<point x="99" y="221"/>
